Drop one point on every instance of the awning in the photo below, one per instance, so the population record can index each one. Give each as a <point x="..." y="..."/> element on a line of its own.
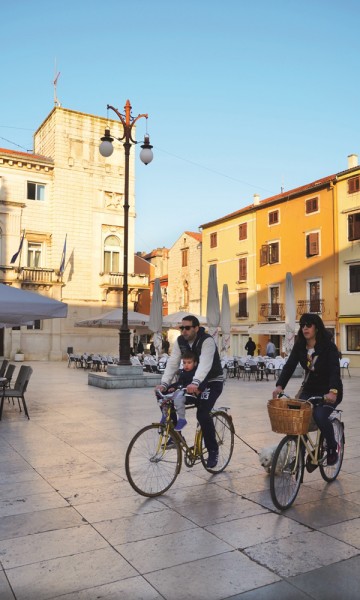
<point x="349" y="320"/>
<point x="267" y="329"/>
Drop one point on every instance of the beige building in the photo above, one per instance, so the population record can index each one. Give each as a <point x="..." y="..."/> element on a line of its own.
<point x="348" y="234"/>
<point x="66" y="189"/>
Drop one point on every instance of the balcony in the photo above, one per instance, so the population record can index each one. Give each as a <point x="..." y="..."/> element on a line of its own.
<point x="30" y="277"/>
<point x="316" y="305"/>
<point x="272" y="312"/>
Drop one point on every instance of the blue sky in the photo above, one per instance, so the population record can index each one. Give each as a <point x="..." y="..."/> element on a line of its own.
<point x="242" y="97"/>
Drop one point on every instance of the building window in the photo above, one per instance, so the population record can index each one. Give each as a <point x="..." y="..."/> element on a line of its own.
<point x="274" y="301"/>
<point x="35" y="191"/>
<point x="354" y="227"/>
<point x="34" y="255"/>
<point x="112" y="254"/>
<point x="35" y="325"/>
<point x="242" y="305"/>
<point x="354" y="276"/>
<point x="242" y="269"/>
<point x="213" y="240"/>
<point x="273" y="217"/>
<point x="184" y="258"/>
<point x="312" y="244"/>
<point x="312" y="205"/>
<point x="353" y="338"/>
<point x="314" y="296"/>
<point x="243" y="231"/>
<point x="269" y="254"/>
<point x="354" y="185"/>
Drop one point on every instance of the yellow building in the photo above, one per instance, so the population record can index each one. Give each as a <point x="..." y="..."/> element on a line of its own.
<point x="295" y="233"/>
<point x="230" y="243"/>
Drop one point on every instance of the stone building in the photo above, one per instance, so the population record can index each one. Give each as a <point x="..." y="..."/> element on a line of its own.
<point x="65" y="190"/>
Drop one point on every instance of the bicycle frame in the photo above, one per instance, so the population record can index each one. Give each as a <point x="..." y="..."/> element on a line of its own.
<point x="311" y="445"/>
<point x="192" y="453"/>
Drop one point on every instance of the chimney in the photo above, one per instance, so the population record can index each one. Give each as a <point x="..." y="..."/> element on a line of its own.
<point x="256" y="199"/>
<point x="352" y="161"/>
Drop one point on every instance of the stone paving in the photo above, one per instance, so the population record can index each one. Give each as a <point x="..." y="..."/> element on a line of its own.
<point x="71" y="526"/>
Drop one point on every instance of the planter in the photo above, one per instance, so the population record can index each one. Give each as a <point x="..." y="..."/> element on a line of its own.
<point x="19" y="357"/>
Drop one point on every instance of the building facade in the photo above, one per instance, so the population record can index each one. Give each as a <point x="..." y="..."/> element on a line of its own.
<point x="66" y="190"/>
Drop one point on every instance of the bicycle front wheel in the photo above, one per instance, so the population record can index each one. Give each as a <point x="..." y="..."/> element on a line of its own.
<point x="286" y="473"/>
<point x="151" y="467"/>
<point x="330" y="472"/>
<point x="224" y="433"/>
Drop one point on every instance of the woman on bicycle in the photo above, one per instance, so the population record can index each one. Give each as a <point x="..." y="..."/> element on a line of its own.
<point x="319" y="357"/>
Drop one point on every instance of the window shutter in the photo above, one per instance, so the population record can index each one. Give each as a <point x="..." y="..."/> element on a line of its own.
<point x="243" y="269"/>
<point x="312" y="244"/>
<point x="264" y="255"/>
<point x="354" y="227"/>
<point x="242" y="305"/>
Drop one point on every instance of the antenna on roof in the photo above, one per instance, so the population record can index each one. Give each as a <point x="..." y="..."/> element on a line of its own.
<point x="56" y="75"/>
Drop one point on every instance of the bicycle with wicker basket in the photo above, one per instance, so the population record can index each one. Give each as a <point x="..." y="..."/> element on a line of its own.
<point x="294" y="418"/>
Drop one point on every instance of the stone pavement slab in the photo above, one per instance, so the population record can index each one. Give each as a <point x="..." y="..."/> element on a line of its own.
<point x="71" y="527"/>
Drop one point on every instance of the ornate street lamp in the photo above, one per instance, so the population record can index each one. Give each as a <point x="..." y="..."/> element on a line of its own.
<point x="146" y="156"/>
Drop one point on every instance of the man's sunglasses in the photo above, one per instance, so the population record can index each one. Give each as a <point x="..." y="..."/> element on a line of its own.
<point x="187" y="327"/>
<point x="306" y="324"/>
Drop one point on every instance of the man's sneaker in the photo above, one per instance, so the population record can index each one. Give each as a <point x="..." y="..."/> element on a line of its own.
<point x="332" y="457"/>
<point x="212" y="459"/>
<point x="180" y="424"/>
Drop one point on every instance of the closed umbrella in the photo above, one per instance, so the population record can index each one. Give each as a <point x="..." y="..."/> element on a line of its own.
<point x="156" y="317"/>
<point x="213" y="304"/>
<point x="225" y="320"/>
<point x="290" y="314"/>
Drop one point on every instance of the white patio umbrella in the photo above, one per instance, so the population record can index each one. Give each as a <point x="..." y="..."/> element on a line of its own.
<point x="19" y="307"/>
<point x="213" y="304"/>
<point x="225" y="320"/>
<point x="113" y="320"/>
<point x="290" y="314"/>
<point x="156" y="317"/>
<point x="173" y="320"/>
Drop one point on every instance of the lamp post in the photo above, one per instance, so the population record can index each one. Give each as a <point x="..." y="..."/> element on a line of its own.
<point x="146" y="156"/>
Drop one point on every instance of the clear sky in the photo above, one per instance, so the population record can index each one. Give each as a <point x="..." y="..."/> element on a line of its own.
<point x="242" y="97"/>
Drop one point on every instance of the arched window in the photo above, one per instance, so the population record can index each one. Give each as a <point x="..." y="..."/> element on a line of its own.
<point x="112" y="254"/>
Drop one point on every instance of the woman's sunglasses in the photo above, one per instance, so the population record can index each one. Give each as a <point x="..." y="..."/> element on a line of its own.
<point x="186" y="327"/>
<point x="306" y="324"/>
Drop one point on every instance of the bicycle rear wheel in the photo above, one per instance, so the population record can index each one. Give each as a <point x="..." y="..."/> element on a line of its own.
<point x="150" y="466"/>
<point x="330" y="472"/>
<point x="224" y="433"/>
<point x="286" y="473"/>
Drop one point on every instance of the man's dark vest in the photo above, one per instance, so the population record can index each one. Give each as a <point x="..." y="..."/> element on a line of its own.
<point x="216" y="368"/>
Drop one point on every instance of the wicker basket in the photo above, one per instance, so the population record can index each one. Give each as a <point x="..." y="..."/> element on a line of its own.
<point x="289" y="416"/>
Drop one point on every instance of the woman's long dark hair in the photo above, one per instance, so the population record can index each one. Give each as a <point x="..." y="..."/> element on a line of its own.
<point x="322" y="335"/>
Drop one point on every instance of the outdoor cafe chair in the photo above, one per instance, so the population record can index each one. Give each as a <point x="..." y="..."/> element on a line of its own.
<point x="8" y="374"/>
<point x="344" y="365"/>
<point x="3" y="366"/>
<point x="19" y="389"/>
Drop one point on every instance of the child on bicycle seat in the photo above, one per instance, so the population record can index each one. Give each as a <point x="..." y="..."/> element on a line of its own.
<point x="189" y="366"/>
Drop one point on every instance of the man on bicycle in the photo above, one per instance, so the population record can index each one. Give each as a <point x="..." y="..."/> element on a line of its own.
<point x="193" y="337"/>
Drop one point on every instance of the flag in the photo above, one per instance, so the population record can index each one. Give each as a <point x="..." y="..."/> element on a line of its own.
<point x="63" y="258"/>
<point x="14" y="258"/>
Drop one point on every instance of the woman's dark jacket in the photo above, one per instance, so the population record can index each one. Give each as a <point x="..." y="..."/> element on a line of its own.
<point x="326" y="373"/>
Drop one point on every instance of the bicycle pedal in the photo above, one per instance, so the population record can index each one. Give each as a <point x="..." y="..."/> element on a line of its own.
<point x="310" y="467"/>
